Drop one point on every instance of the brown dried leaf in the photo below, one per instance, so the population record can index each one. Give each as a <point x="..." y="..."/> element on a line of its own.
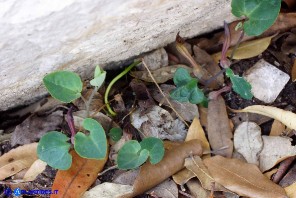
<point x="219" y="131"/>
<point x="196" y="189"/>
<point x="289" y="45"/>
<point x="293" y="72"/>
<point x="34" y="127"/>
<point x="108" y="190"/>
<point x="242" y="178"/>
<point x="173" y="161"/>
<point x="183" y="176"/>
<point x="161" y="75"/>
<point x="17" y="159"/>
<point x="167" y="189"/>
<point x="35" y="169"/>
<point x="290" y="177"/>
<point x="277" y="128"/>
<point x="249" y="117"/>
<point x="186" y="110"/>
<point x="291" y="190"/>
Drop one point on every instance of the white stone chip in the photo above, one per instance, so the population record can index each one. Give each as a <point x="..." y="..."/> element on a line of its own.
<point x="267" y="81"/>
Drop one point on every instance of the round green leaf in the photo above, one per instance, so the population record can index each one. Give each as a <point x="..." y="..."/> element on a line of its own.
<point x="155" y="148"/>
<point x="181" y="77"/>
<point x="115" y="134"/>
<point x="63" y="85"/>
<point x="53" y="149"/>
<point x="131" y="156"/>
<point x="261" y="14"/>
<point x="99" y="77"/>
<point x="94" y="145"/>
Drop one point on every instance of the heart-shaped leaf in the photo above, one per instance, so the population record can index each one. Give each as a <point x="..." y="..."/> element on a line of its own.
<point x="240" y="85"/>
<point x="260" y="14"/>
<point x="155" y="148"/>
<point x="187" y="90"/>
<point x="53" y="149"/>
<point x="99" y="77"/>
<point x="115" y="134"/>
<point x="94" y="145"/>
<point x="131" y="155"/>
<point x="63" y="85"/>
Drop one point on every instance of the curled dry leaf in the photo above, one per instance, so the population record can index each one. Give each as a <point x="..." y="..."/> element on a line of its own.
<point x="247" y="49"/>
<point x="17" y="159"/>
<point x="249" y="117"/>
<point x="277" y="128"/>
<point x="288" y="118"/>
<point x="35" y="169"/>
<point x="219" y="131"/>
<point x="173" y="161"/>
<point x="108" y="190"/>
<point x="186" y="110"/>
<point x="275" y="150"/>
<point x="76" y="180"/>
<point x="161" y="75"/>
<point x="196" y="165"/>
<point x="242" y="178"/>
<point x="248" y="141"/>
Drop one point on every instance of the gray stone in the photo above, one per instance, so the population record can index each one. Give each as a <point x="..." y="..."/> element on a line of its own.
<point x="38" y="37"/>
<point x="267" y="81"/>
<point x="155" y="60"/>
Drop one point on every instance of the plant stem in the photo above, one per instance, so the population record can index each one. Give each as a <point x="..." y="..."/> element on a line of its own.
<point x="125" y="71"/>
<point x="87" y="103"/>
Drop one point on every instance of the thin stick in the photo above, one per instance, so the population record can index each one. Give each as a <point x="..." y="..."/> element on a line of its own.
<point x="87" y="104"/>
<point x="168" y="101"/>
<point x="108" y="169"/>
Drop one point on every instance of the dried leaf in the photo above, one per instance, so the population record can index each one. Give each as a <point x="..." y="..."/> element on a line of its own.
<point x="35" y="169"/>
<point x="186" y="110"/>
<point x="290" y="176"/>
<point x="275" y="150"/>
<point x="197" y="166"/>
<point x="173" y="161"/>
<point x="183" y="176"/>
<point x="288" y="118"/>
<point x="167" y="189"/>
<point x="76" y="180"/>
<point x="277" y="128"/>
<point x="34" y="127"/>
<point x="247" y="49"/>
<point x="289" y="45"/>
<point x="161" y="75"/>
<point x="291" y="190"/>
<point x="242" y="178"/>
<point x="270" y="173"/>
<point x="108" y="190"/>
<point x="249" y="117"/>
<point x="203" y="114"/>
<point x="17" y="159"/>
<point x="196" y="189"/>
<point x="293" y="72"/>
<point x="219" y="131"/>
<point x="248" y="141"/>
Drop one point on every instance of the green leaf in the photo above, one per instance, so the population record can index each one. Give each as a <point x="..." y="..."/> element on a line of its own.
<point x="53" y="149"/>
<point x="240" y="85"/>
<point x="131" y="156"/>
<point x="261" y="14"/>
<point x="99" y="77"/>
<point x="63" y="85"/>
<point x="115" y="134"/>
<point x="94" y="145"/>
<point x="187" y="90"/>
<point x="155" y="148"/>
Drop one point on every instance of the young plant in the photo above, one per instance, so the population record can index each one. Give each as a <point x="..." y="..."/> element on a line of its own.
<point x="53" y="147"/>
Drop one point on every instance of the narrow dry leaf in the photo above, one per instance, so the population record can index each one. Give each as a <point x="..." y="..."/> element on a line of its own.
<point x="173" y="161"/>
<point x="248" y="142"/>
<point x="35" y="169"/>
<point x="196" y="131"/>
<point x="242" y="178"/>
<point x="291" y="190"/>
<point x="186" y="110"/>
<point x="275" y="149"/>
<point x="203" y="115"/>
<point x="288" y="118"/>
<point x="277" y="128"/>
<point x="17" y="159"/>
<point x="293" y="72"/>
<point x="247" y="49"/>
<point x="161" y="75"/>
<point x="76" y="180"/>
<point x="219" y="131"/>
<point x="108" y="190"/>
<point x="196" y="189"/>
<point x="197" y="166"/>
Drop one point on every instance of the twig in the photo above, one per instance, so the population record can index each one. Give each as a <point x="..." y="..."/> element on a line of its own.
<point x="168" y="101"/>
<point x="283" y="169"/>
<point x="87" y="103"/>
<point x="237" y="44"/>
<point x="108" y="169"/>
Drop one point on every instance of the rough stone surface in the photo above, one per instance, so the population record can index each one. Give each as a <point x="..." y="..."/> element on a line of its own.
<point x="267" y="81"/>
<point x="38" y="37"/>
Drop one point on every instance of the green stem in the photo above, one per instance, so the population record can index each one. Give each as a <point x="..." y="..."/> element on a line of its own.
<point x="125" y="71"/>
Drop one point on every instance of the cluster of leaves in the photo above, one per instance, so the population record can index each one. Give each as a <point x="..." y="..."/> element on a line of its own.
<point x="260" y="15"/>
<point x="54" y="146"/>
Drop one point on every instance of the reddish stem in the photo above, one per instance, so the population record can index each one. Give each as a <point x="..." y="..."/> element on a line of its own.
<point x="70" y="121"/>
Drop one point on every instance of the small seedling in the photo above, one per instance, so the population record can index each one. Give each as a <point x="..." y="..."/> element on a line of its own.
<point x="260" y="15"/>
<point x="187" y="90"/>
<point x="115" y="134"/>
<point x="133" y="154"/>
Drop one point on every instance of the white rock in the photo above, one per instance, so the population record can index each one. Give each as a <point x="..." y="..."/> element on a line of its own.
<point x="267" y="81"/>
<point x="40" y="36"/>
